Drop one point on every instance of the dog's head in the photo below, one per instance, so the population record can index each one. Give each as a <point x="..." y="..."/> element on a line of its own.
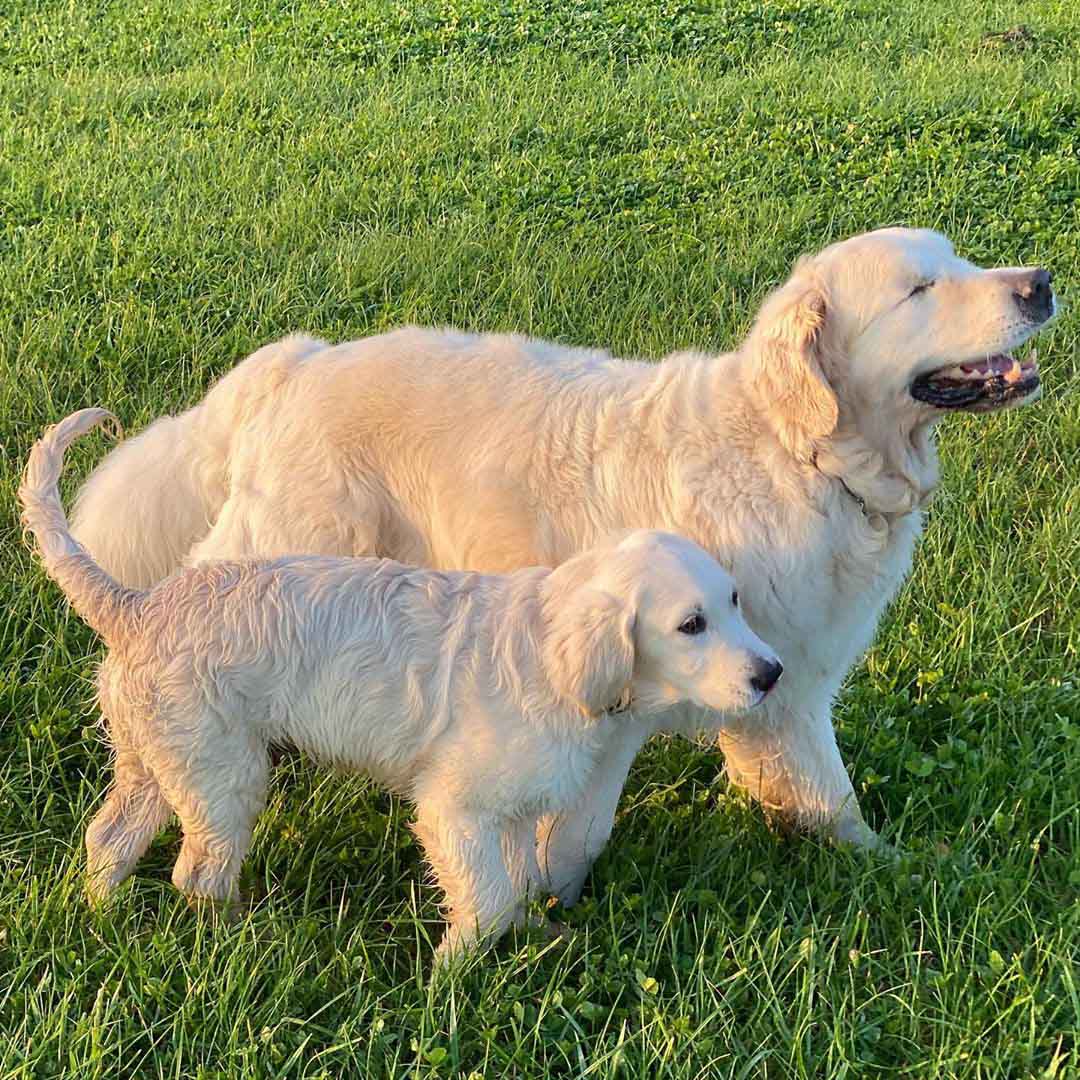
<point x="655" y="621"/>
<point x="895" y="328"/>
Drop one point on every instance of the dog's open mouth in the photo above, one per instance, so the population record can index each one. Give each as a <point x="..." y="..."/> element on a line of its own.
<point x="997" y="382"/>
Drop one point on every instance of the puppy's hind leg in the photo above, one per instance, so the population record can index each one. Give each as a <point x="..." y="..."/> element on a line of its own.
<point x="122" y="830"/>
<point x="218" y="788"/>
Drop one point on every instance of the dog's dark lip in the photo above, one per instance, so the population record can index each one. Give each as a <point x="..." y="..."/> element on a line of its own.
<point x="995" y="382"/>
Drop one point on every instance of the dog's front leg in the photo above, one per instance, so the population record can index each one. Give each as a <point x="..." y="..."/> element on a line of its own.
<point x="519" y="854"/>
<point x="466" y="854"/>
<point x="785" y="755"/>
<point x="568" y="843"/>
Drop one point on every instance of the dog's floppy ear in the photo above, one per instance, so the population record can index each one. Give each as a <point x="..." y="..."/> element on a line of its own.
<point x="785" y="366"/>
<point x="589" y="649"/>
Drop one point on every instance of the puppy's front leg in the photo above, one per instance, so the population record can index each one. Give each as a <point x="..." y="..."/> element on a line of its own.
<point x="569" y="843"/>
<point x="465" y="852"/>
<point x="519" y="854"/>
<point x="785" y="755"/>
<point x="519" y="851"/>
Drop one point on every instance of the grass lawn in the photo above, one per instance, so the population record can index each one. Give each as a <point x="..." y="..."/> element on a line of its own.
<point x="181" y="181"/>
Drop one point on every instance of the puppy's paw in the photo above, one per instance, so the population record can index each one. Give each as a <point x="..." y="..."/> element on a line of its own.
<point x="227" y="912"/>
<point x="546" y="929"/>
<point x="852" y="831"/>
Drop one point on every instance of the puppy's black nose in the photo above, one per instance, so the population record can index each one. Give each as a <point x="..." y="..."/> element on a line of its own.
<point x="766" y="672"/>
<point x="1033" y="294"/>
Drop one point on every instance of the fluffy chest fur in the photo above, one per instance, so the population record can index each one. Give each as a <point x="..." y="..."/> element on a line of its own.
<point x="819" y="596"/>
<point x="815" y="566"/>
<point x="814" y="579"/>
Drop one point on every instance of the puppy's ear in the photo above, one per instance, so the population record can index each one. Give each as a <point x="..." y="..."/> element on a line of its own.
<point x="785" y="366"/>
<point x="589" y="649"/>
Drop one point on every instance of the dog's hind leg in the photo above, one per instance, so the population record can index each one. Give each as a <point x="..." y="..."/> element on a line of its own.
<point x="218" y="788"/>
<point x="260" y="527"/>
<point x="122" y="830"/>
<point x="494" y="531"/>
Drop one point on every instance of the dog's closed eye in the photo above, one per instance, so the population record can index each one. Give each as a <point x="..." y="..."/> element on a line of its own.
<point x="921" y="288"/>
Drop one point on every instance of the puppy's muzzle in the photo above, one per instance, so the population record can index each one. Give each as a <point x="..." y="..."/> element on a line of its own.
<point x="766" y="674"/>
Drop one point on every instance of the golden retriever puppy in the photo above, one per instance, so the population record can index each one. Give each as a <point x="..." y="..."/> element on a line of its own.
<point x="802" y="461"/>
<point x="487" y="700"/>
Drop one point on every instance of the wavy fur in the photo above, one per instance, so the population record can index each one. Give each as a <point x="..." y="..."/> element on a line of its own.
<point x="801" y="460"/>
<point x="480" y="697"/>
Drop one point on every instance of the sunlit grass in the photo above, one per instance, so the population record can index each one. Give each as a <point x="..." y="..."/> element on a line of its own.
<point x="182" y="182"/>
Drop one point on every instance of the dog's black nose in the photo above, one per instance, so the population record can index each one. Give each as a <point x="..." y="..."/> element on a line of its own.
<point x="1033" y="293"/>
<point x="766" y="672"/>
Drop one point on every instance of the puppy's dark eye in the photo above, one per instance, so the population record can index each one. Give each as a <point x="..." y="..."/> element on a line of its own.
<point x="694" y="625"/>
<point x="921" y="288"/>
<point x="735" y="598"/>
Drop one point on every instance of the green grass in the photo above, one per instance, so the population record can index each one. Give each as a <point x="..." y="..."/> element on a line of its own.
<point x="181" y="181"/>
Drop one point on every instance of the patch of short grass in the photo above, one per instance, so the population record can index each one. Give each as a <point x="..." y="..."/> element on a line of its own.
<point x="182" y="182"/>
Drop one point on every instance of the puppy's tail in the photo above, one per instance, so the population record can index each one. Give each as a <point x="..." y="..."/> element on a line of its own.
<point x="103" y="602"/>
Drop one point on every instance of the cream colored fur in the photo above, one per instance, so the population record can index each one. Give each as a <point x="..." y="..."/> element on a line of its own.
<point x="485" y="699"/>
<point x="800" y="460"/>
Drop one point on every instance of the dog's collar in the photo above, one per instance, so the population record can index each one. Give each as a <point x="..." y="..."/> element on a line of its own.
<point x="859" y="500"/>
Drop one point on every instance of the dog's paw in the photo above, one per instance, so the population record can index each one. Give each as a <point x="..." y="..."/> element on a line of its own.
<point x="860" y="838"/>
<point x="227" y="912"/>
<point x="547" y="929"/>
<point x="852" y="831"/>
<point x="99" y="889"/>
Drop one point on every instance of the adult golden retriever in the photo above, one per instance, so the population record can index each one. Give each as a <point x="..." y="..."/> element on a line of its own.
<point x="802" y="461"/>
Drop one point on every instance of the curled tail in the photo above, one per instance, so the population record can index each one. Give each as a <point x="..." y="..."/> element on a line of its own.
<point x="103" y="602"/>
